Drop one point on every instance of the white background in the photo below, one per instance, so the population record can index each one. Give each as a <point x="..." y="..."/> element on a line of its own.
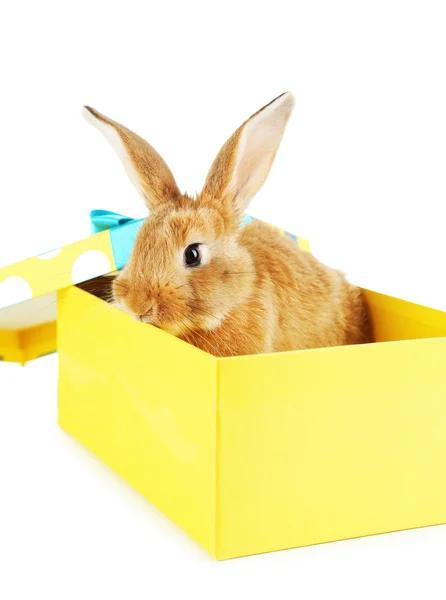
<point x="361" y="173"/>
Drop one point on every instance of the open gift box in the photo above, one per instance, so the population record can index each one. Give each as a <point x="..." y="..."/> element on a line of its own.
<point x="247" y="454"/>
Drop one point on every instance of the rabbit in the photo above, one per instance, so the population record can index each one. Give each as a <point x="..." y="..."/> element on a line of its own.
<point x="230" y="291"/>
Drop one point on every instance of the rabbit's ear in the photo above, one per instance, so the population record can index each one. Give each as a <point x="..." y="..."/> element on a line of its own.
<point x="242" y="165"/>
<point x="145" y="167"/>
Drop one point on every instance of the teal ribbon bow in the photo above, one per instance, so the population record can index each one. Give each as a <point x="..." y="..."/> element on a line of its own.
<point x="100" y="220"/>
<point x="123" y="232"/>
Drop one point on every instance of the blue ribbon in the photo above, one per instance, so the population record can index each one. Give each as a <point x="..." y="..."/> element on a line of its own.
<point x="101" y="220"/>
<point x="123" y="232"/>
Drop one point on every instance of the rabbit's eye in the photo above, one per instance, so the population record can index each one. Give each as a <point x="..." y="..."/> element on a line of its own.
<point x="192" y="255"/>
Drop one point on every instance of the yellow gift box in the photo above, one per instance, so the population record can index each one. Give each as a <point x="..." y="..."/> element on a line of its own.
<point x="257" y="453"/>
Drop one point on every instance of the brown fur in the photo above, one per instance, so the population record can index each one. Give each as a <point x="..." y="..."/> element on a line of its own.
<point x="257" y="292"/>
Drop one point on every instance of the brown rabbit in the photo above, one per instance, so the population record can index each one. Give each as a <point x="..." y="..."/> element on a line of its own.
<point x="195" y="273"/>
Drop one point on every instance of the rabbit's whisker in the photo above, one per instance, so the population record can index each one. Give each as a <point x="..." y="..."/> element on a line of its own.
<point x="213" y="332"/>
<point x="184" y="285"/>
<point x="239" y="273"/>
<point x="207" y="342"/>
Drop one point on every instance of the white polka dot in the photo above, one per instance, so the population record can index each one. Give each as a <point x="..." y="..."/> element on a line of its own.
<point x="89" y="264"/>
<point x="48" y="255"/>
<point x="14" y="290"/>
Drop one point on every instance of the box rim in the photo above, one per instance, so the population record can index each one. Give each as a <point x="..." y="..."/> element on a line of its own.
<point x="261" y="356"/>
